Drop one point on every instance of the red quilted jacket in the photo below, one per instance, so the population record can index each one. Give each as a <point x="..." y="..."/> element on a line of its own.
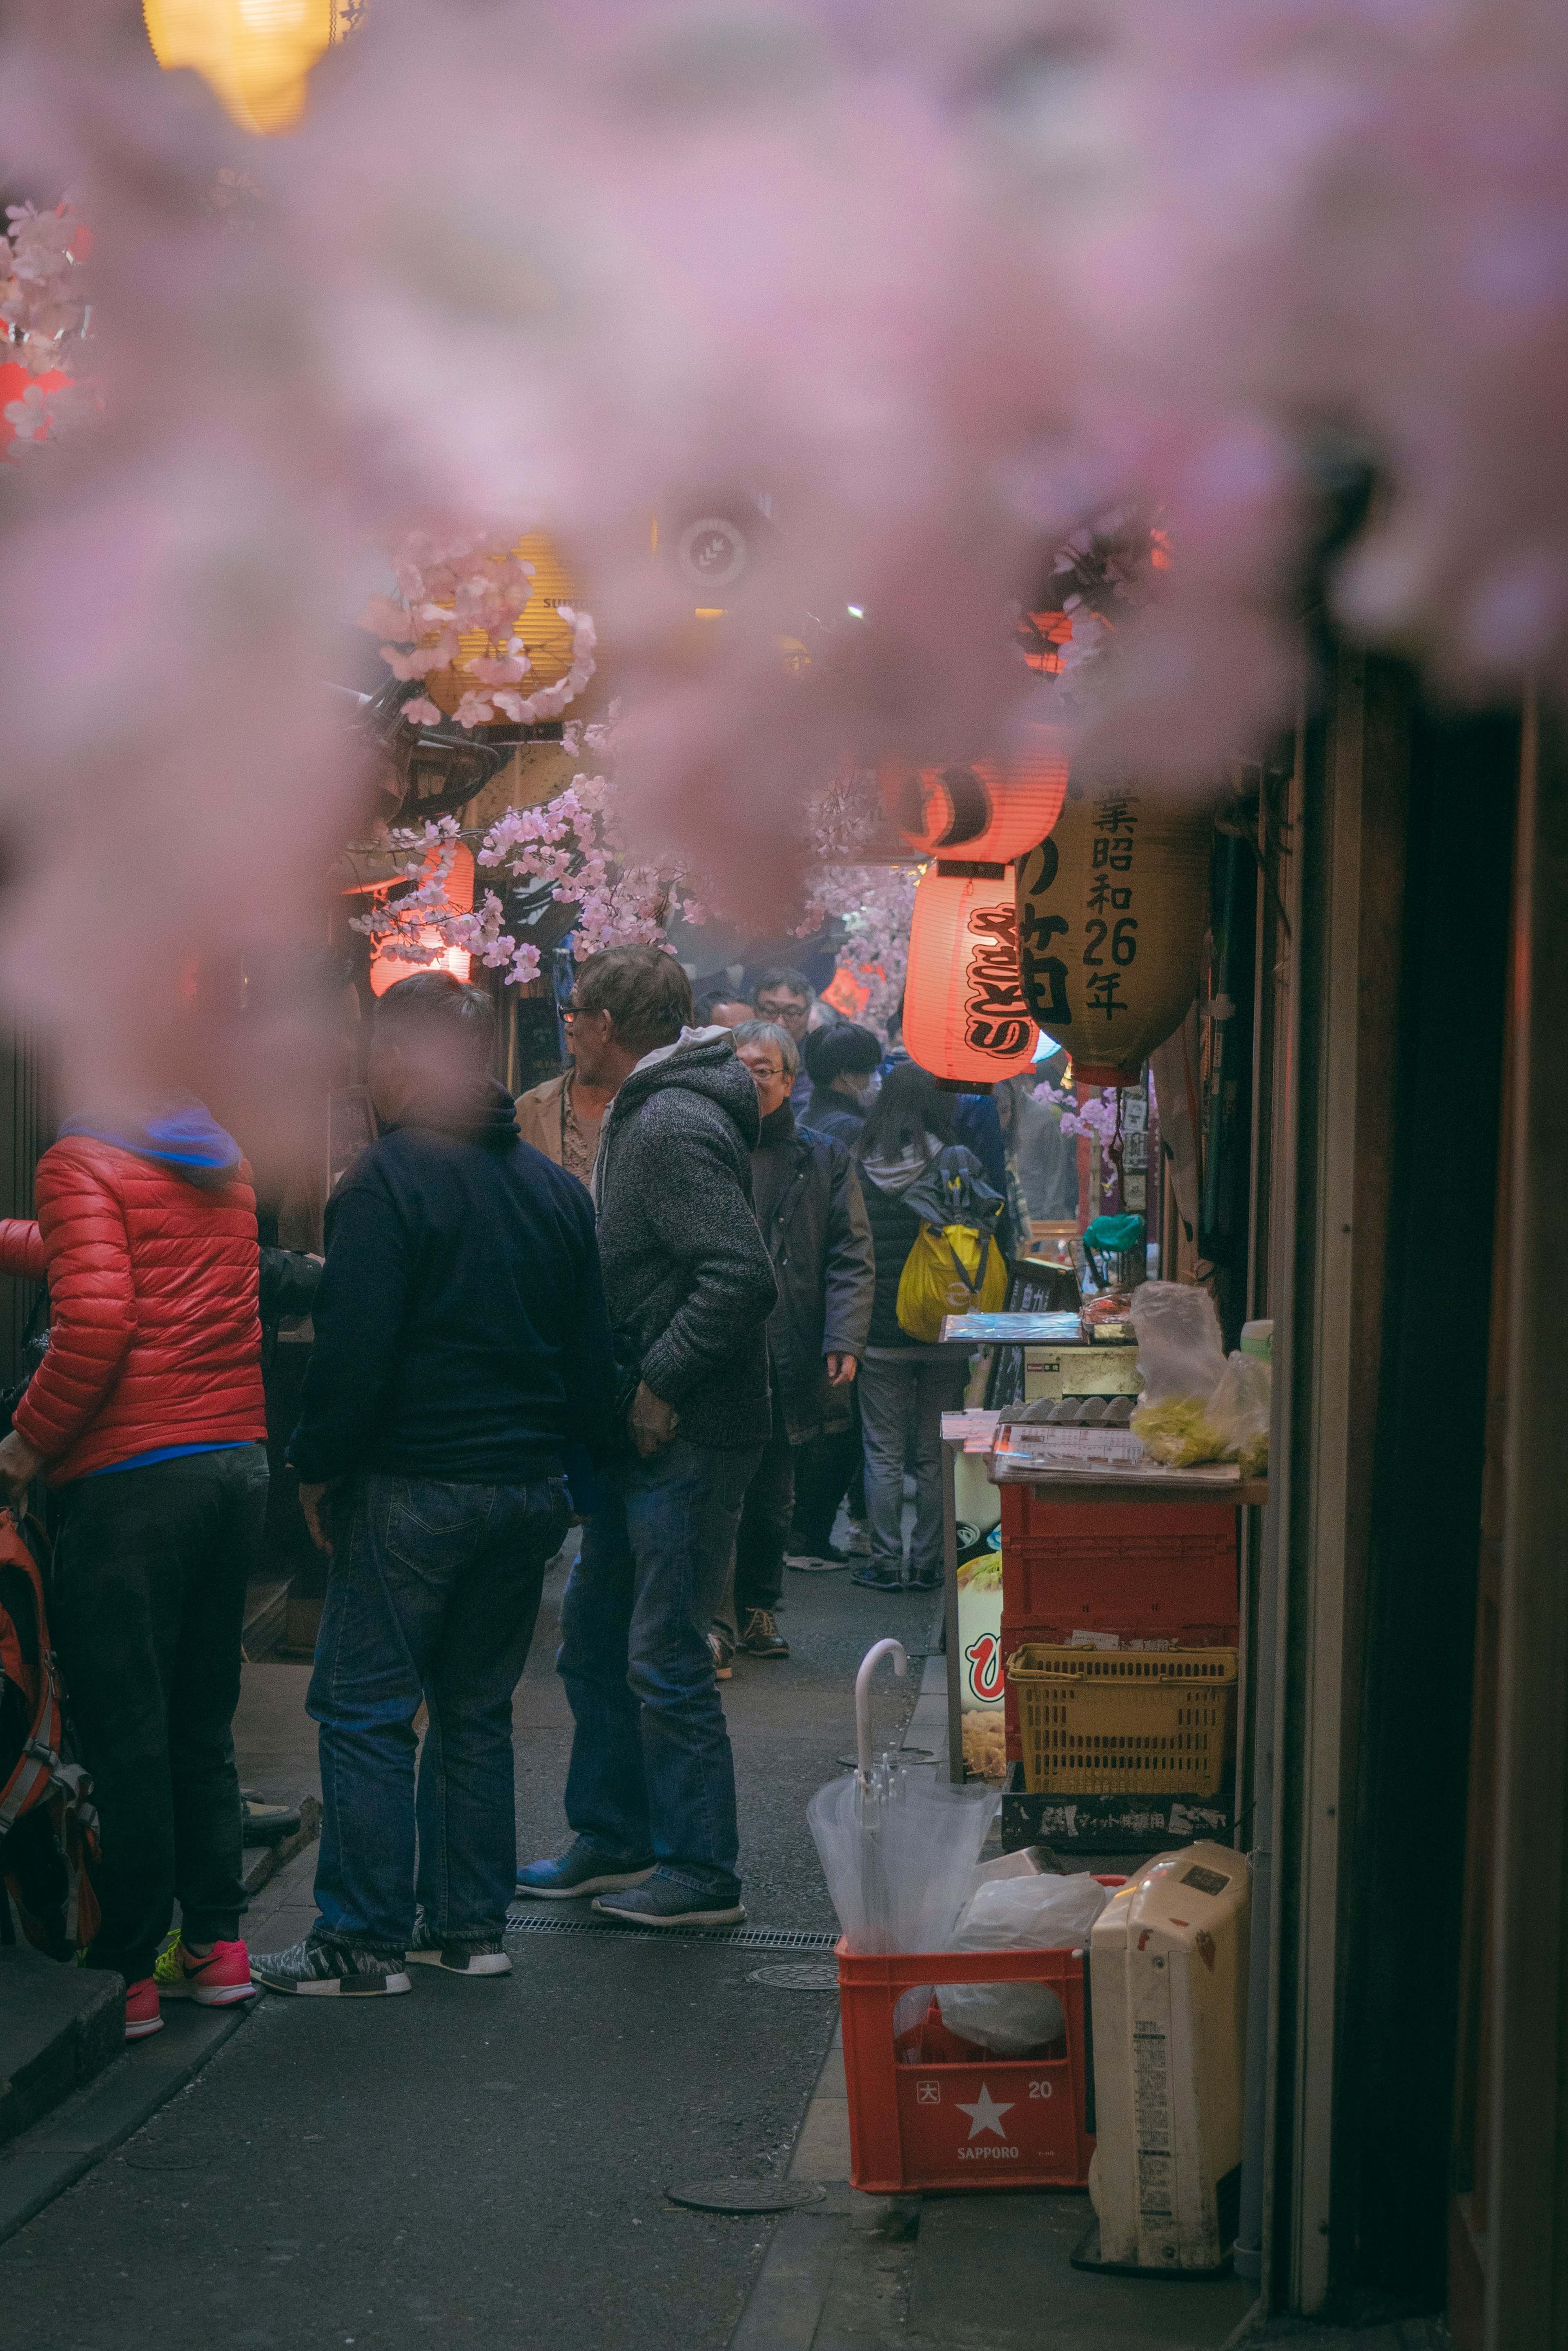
<point x="154" y="1338"/>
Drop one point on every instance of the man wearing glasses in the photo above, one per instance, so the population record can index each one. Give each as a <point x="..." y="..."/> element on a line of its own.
<point x="785" y="998"/>
<point x="650" y="1792"/>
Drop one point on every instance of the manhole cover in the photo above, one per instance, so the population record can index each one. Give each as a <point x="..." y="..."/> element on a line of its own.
<point x="748" y="2194"/>
<point x="803" y="1975"/>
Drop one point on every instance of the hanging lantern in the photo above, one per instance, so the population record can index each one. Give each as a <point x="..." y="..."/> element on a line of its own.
<point x="991" y="811"/>
<point x="386" y="969"/>
<point x="1112" y="912"/>
<point x="255" y="55"/>
<point x="16" y="380"/>
<point x="965" y="1019"/>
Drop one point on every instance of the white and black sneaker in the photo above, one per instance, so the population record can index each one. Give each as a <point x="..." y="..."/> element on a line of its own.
<point x="330" y="1970"/>
<point x="429" y="1950"/>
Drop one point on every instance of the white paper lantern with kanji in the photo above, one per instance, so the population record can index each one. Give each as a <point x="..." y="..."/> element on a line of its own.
<point x="1112" y="912"/>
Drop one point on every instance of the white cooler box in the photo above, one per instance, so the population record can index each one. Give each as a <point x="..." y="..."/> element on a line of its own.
<point x="1167" y="1959"/>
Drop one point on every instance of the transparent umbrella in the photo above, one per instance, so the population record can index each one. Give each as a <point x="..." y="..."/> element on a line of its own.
<point x="898" y="1845"/>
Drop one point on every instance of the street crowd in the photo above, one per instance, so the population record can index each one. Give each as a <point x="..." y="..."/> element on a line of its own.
<point x="655" y="1298"/>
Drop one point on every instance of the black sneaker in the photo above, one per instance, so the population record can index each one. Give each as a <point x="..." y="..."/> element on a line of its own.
<point x="663" y="1902"/>
<point x="428" y="1949"/>
<point x="761" y="1637"/>
<point x="878" y="1579"/>
<point x="927" y="1580"/>
<point x="330" y="1970"/>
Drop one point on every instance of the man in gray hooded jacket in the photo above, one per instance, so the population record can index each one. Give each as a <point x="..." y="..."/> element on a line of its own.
<point x="650" y="1792"/>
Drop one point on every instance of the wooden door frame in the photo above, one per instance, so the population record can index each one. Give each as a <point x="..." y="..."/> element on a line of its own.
<point x="1526" y="2244"/>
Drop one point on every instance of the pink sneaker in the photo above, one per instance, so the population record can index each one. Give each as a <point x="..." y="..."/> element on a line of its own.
<point x="215" y="1981"/>
<point x="141" y="2015"/>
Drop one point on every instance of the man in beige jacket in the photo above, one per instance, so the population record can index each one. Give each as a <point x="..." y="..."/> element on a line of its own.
<point x="562" y="1119"/>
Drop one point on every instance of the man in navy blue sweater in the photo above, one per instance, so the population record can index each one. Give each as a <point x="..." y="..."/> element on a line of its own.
<point x="462" y="1352"/>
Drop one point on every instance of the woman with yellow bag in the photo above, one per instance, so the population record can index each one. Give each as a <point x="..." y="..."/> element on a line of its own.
<point x="932" y="1214"/>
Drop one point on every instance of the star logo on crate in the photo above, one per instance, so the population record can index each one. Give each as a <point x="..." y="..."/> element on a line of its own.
<point x="985" y="2115"/>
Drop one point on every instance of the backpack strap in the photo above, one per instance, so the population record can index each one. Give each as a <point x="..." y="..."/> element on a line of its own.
<point x="38" y="1761"/>
<point x="974" y="1287"/>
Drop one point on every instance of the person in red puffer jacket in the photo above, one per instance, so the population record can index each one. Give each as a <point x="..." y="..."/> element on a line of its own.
<point x="146" y="1414"/>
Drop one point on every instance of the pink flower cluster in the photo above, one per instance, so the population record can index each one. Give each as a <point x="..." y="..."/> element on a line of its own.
<point x="1096" y="1118"/>
<point x="573" y="848"/>
<point x="449" y="590"/>
<point x="41" y="307"/>
<point x="868" y="307"/>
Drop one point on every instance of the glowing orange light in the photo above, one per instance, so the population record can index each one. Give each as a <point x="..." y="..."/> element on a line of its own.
<point x="965" y="1017"/>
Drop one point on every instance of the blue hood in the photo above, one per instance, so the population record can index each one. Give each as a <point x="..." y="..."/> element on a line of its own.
<point x="181" y="1134"/>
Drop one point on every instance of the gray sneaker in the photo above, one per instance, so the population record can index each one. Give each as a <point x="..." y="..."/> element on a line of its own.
<point x="662" y="1901"/>
<point x="331" y="1970"/>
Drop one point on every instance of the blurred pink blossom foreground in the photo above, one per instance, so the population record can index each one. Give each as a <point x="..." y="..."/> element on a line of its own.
<point x="913" y="291"/>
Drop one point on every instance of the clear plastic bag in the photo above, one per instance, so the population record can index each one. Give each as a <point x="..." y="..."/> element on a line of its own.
<point x="1013" y="1914"/>
<point x="898" y="1852"/>
<point x="1181" y="1362"/>
<point x="1239" y="1411"/>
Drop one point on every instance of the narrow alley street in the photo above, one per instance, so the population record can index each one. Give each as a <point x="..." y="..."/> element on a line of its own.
<point x="487" y="2159"/>
<point x="491" y="2160"/>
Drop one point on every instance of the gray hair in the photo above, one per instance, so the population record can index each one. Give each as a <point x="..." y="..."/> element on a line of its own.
<point x="769" y="1034"/>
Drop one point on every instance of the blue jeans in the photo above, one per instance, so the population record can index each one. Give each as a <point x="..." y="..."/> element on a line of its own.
<point x="433" y="1592"/>
<point x="651" y="1770"/>
<point x="905" y="1396"/>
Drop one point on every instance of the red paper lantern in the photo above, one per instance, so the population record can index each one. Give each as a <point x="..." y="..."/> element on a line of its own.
<point x="965" y="1019"/>
<point x="992" y="811"/>
<point x="15" y="380"/>
<point x="387" y="969"/>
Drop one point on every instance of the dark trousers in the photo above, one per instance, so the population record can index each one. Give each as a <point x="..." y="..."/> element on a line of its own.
<point x="765" y="1514"/>
<point x="827" y="1468"/>
<point x="148" y="1608"/>
<point x="433" y="1592"/>
<point x="651" y="1772"/>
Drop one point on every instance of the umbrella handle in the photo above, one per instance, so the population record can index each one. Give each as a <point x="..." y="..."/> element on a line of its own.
<point x="900" y="1656"/>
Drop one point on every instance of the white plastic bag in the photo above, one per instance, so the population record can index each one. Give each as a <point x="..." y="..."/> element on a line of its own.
<point x="1013" y="1914"/>
<point x="1239" y="1412"/>
<point x="1179" y="1350"/>
<point x="1181" y="1362"/>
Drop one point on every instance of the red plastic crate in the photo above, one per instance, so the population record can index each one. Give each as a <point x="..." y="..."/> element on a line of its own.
<point x="927" y="2110"/>
<point x="1145" y="1571"/>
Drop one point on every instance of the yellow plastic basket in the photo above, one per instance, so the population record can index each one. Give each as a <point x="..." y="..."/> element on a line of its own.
<point x="1124" y="1722"/>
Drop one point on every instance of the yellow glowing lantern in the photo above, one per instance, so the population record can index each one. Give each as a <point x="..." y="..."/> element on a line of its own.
<point x="546" y="637"/>
<point x="254" y="55"/>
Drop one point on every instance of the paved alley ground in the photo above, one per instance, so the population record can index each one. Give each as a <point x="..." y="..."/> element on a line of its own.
<point x="483" y="2162"/>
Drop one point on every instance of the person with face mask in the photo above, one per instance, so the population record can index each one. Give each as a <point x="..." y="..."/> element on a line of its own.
<point x="809" y="1205"/>
<point x="843" y="1064"/>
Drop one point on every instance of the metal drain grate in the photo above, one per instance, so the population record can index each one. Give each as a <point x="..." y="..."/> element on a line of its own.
<point x="744" y="1939"/>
